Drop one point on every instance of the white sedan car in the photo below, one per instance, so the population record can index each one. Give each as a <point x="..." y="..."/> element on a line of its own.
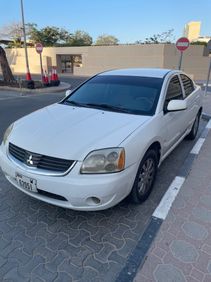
<point x="104" y="141"/>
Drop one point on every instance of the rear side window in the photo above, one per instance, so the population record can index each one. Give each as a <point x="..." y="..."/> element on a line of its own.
<point x="188" y="84"/>
<point x="174" y="90"/>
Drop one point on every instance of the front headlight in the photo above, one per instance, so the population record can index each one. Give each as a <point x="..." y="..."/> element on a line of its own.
<point x="104" y="161"/>
<point x="7" y="133"/>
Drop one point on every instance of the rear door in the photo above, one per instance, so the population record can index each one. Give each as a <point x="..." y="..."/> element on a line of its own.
<point x="192" y="96"/>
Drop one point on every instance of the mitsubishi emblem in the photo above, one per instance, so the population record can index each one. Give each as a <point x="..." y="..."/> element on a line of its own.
<point x="29" y="161"/>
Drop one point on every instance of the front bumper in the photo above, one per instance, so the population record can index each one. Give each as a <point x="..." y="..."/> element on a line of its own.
<point x="78" y="190"/>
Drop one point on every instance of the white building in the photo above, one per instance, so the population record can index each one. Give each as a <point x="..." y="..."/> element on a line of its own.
<point x="192" y="32"/>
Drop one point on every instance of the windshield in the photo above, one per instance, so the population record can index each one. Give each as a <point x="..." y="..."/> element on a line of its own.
<point x="128" y="94"/>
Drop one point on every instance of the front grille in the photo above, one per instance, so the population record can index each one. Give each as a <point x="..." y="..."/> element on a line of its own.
<point x="39" y="161"/>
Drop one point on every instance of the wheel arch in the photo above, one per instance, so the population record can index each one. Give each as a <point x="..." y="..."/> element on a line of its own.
<point x="157" y="147"/>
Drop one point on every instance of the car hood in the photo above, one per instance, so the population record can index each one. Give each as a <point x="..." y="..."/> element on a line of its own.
<point x="72" y="132"/>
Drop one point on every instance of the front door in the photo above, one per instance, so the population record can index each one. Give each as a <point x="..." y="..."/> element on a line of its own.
<point x="173" y="122"/>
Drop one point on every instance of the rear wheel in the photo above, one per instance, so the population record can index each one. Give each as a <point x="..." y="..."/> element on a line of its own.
<point x="194" y="129"/>
<point x="145" y="177"/>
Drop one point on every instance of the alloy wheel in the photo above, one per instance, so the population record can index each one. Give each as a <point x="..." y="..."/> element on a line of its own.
<point x="146" y="176"/>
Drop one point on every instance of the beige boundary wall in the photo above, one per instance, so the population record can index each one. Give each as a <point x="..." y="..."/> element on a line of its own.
<point x="100" y="58"/>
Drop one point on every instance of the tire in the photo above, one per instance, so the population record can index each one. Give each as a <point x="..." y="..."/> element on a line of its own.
<point x="143" y="184"/>
<point x="194" y="129"/>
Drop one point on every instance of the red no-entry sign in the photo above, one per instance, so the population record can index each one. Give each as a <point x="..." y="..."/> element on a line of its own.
<point x="39" y="48"/>
<point x="182" y="44"/>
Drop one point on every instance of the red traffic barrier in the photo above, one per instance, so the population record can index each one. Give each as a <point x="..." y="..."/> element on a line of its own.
<point x="28" y="76"/>
<point x="54" y="78"/>
<point x="46" y="80"/>
<point x="56" y="75"/>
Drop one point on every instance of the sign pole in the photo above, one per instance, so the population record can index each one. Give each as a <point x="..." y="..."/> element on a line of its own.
<point x="28" y="75"/>
<point x="209" y="70"/>
<point x="39" y="49"/>
<point x="180" y="60"/>
<point x="41" y="67"/>
<point x="208" y="78"/>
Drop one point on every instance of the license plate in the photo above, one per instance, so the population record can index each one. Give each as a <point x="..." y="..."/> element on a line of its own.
<point x="26" y="183"/>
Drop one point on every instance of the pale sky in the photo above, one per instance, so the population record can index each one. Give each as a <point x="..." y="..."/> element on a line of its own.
<point x="128" y="20"/>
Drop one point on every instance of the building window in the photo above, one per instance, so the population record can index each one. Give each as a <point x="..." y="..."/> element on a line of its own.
<point x="69" y="62"/>
<point x="77" y="60"/>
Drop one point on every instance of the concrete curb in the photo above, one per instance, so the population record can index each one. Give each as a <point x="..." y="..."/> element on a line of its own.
<point x="206" y="116"/>
<point x="62" y="87"/>
<point x="137" y="258"/>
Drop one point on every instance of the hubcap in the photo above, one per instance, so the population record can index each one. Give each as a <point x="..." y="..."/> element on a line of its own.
<point x="146" y="176"/>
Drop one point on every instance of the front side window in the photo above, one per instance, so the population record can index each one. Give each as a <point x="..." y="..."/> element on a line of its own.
<point x="119" y="93"/>
<point x="174" y="90"/>
<point x="187" y="84"/>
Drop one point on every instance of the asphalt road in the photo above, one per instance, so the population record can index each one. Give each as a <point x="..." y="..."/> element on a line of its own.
<point x="41" y="242"/>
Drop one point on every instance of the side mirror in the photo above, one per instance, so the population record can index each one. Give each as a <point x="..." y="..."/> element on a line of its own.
<point x="176" y="105"/>
<point x="68" y="92"/>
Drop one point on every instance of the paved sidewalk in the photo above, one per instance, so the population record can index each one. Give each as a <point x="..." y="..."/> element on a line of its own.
<point x="181" y="250"/>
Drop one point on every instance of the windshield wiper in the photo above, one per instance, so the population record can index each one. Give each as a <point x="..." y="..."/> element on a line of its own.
<point x="97" y="106"/>
<point x="108" y="107"/>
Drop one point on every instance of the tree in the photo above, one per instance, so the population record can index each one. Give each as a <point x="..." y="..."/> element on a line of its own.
<point x="199" y="43"/>
<point x="6" y="71"/>
<point x="49" y="36"/>
<point x="14" y="31"/>
<point x="160" y="38"/>
<point x="80" y="38"/>
<point x="106" y="40"/>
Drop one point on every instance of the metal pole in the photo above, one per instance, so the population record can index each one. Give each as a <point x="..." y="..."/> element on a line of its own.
<point x="180" y="60"/>
<point x="208" y="78"/>
<point x="41" y="67"/>
<point x="28" y="76"/>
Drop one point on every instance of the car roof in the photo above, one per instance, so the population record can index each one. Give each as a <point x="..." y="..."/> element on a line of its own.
<point x="143" y="72"/>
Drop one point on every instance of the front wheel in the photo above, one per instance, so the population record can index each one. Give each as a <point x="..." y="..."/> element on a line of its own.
<point x="194" y="129"/>
<point x="145" y="177"/>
